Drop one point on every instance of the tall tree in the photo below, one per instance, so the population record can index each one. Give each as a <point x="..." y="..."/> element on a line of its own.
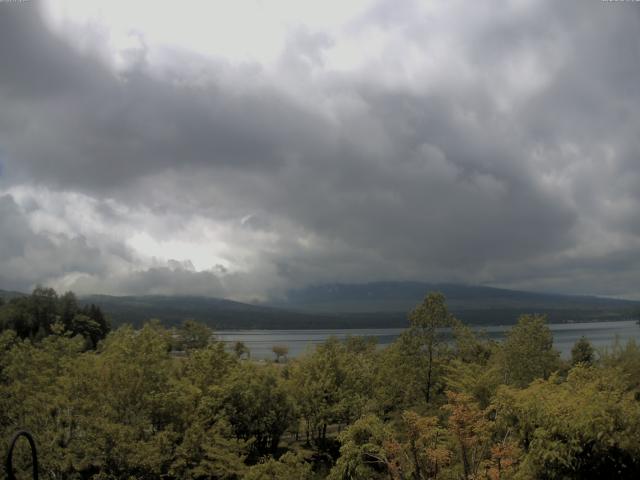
<point x="528" y="352"/>
<point x="67" y="309"/>
<point x="424" y="341"/>
<point x="470" y="429"/>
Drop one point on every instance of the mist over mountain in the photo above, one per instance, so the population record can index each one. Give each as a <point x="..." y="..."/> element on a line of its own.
<point x="368" y="305"/>
<point x="8" y="295"/>
<point x="374" y="305"/>
<point x="393" y="296"/>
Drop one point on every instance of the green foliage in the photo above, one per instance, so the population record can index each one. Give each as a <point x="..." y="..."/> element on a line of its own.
<point x="582" y="352"/>
<point x="372" y="449"/>
<point x="43" y="313"/>
<point x="584" y="427"/>
<point x="413" y="364"/>
<point x="134" y="409"/>
<point x="280" y="351"/>
<point x="627" y="359"/>
<point x="469" y="346"/>
<point x="474" y="370"/>
<point x="424" y="341"/>
<point x="210" y="453"/>
<point x="333" y="385"/>
<point x="288" y="467"/>
<point x="255" y="403"/>
<point x="126" y="411"/>
<point x="207" y="366"/>
<point x="479" y="381"/>
<point x="528" y="352"/>
<point x="240" y="349"/>
<point x="192" y="335"/>
<point x="363" y="455"/>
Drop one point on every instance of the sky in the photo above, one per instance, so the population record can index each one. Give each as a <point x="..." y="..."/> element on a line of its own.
<point x="241" y="149"/>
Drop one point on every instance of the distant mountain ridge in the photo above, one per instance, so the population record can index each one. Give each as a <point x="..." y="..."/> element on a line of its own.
<point x="369" y="305"/>
<point x="8" y="294"/>
<point x="393" y="296"/>
<point x="215" y="312"/>
<point x="472" y="304"/>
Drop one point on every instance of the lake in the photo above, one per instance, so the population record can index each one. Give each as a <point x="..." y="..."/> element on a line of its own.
<point x="260" y="342"/>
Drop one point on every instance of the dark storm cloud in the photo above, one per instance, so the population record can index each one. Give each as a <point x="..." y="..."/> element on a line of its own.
<point x="514" y="161"/>
<point x="35" y="64"/>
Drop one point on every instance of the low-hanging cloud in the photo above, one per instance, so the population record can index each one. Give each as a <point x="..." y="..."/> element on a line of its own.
<point x="492" y="143"/>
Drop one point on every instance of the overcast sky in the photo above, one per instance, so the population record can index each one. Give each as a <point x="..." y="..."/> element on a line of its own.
<point x="186" y="147"/>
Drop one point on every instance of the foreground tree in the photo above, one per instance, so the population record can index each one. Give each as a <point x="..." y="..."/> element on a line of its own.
<point x="333" y="385"/>
<point x="288" y="467"/>
<point x="584" y="427"/>
<point x="280" y="351"/>
<point x="470" y="429"/>
<point x="193" y="335"/>
<point x="528" y="353"/>
<point x="425" y="453"/>
<point x="582" y="352"/>
<point x="626" y="358"/>
<point x="414" y="362"/>
<point x="255" y="402"/>
<point x="473" y="369"/>
<point x="363" y="454"/>
<point x="209" y="453"/>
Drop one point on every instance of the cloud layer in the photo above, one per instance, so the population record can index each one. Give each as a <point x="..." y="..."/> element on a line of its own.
<point x="494" y="143"/>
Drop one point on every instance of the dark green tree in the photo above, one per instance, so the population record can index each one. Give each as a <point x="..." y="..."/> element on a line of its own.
<point x="67" y="309"/>
<point x="193" y="335"/>
<point x="240" y="349"/>
<point x="256" y="404"/>
<point x="582" y="352"/>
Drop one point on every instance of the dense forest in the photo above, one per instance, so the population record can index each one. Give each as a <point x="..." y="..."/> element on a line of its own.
<point x="166" y="403"/>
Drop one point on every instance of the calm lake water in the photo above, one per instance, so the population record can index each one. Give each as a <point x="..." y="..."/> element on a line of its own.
<point x="260" y="342"/>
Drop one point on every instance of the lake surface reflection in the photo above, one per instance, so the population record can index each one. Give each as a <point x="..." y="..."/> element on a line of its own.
<point x="260" y="342"/>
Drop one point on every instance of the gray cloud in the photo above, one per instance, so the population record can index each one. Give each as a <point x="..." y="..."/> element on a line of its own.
<point x="492" y="143"/>
<point x="28" y="258"/>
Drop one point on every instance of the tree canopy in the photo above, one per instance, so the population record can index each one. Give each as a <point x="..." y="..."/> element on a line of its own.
<point x="442" y="402"/>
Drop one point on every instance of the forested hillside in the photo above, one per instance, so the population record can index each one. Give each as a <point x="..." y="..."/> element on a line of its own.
<point x="373" y="305"/>
<point x="216" y="313"/>
<point x="472" y="304"/>
<point x="157" y="403"/>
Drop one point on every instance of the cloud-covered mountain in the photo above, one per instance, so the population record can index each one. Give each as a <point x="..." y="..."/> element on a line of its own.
<point x="471" y="304"/>
<point x="382" y="304"/>
<point x="258" y="151"/>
